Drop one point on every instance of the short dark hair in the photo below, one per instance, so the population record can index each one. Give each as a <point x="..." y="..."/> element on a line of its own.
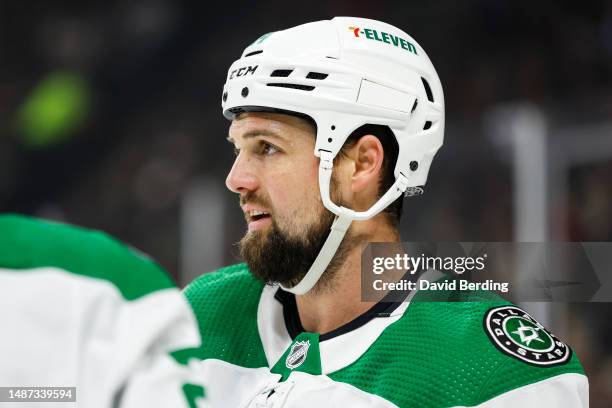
<point x="391" y="149"/>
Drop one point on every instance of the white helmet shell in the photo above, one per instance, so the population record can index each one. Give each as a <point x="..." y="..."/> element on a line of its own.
<point x="344" y="73"/>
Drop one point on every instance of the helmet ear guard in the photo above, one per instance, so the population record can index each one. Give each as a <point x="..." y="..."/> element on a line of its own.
<point x="330" y="74"/>
<point x="325" y="171"/>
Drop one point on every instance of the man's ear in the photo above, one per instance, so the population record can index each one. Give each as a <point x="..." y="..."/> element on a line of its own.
<point x="367" y="155"/>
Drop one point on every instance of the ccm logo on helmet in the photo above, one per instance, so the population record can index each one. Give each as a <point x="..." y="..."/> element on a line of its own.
<point x="243" y="71"/>
<point x="387" y="38"/>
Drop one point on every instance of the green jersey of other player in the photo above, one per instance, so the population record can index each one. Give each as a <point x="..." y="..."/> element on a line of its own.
<point x="81" y="309"/>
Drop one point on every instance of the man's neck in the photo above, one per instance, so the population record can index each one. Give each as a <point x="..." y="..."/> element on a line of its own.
<point x="339" y="302"/>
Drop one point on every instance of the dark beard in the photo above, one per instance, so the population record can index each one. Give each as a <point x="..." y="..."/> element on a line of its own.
<point x="275" y="257"/>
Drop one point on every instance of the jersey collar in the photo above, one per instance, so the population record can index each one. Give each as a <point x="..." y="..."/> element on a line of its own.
<point x="278" y="325"/>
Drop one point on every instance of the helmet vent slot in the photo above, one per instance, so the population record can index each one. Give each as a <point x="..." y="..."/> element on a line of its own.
<point x="414" y="106"/>
<point x="281" y="73"/>
<point x="316" y="75"/>
<point x="427" y="90"/>
<point x="427" y="125"/>
<point x="253" y="53"/>
<point x="294" y="86"/>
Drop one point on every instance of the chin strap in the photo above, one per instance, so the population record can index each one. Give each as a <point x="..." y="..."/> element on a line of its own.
<point x="338" y="230"/>
<point x="344" y="217"/>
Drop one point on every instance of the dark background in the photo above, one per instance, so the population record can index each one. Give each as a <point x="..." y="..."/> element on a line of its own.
<point x="110" y="118"/>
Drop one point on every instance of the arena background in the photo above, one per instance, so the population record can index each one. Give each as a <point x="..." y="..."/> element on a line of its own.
<point x="110" y="118"/>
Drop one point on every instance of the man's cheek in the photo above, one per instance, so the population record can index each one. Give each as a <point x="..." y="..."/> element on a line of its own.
<point x="286" y="197"/>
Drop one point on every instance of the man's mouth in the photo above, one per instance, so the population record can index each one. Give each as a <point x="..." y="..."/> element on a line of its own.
<point x="258" y="219"/>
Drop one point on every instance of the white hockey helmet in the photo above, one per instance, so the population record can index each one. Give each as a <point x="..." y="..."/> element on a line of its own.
<point x="344" y="73"/>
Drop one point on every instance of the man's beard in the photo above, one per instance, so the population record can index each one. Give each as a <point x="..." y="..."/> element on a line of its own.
<point x="275" y="256"/>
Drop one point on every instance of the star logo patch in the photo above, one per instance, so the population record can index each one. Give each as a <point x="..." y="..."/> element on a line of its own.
<point x="515" y="333"/>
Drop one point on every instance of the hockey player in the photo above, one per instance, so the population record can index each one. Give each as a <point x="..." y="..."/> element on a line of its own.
<point x="80" y="309"/>
<point x="360" y="99"/>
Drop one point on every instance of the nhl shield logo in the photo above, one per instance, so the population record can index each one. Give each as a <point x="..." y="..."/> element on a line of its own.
<point x="514" y="332"/>
<point x="297" y="354"/>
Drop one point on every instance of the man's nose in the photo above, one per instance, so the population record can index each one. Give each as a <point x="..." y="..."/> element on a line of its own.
<point x="241" y="178"/>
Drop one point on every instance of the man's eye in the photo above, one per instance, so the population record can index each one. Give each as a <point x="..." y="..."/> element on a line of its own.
<point x="268" y="149"/>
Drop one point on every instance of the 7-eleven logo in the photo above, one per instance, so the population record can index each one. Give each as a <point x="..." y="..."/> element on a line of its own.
<point x="381" y="36"/>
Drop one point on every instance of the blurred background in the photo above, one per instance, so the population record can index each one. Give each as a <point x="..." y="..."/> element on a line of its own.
<point x="110" y="118"/>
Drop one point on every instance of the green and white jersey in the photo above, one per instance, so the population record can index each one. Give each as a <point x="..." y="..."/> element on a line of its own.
<point x="80" y="309"/>
<point x="481" y="352"/>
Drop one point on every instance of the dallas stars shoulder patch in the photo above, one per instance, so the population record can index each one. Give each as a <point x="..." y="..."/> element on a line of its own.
<point x="515" y="333"/>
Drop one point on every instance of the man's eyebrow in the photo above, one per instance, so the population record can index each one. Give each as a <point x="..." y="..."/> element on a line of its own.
<point x="254" y="133"/>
